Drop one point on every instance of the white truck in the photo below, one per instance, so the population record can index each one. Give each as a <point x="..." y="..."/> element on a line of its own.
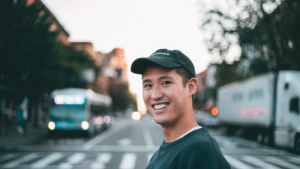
<point x="264" y="106"/>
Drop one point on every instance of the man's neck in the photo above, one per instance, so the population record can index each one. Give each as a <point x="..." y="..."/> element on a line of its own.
<point x="174" y="131"/>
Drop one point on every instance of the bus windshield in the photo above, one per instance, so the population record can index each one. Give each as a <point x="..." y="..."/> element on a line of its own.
<point x="68" y="112"/>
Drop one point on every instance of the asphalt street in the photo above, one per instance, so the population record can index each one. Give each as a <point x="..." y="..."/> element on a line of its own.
<point x="129" y="144"/>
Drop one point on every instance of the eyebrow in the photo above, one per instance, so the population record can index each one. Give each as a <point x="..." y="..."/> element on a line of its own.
<point x="146" y="80"/>
<point x="160" y="78"/>
<point x="165" y="77"/>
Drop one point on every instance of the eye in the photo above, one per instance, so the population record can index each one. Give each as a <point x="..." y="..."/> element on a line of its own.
<point x="166" y="83"/>
<point x="147" y="85"/>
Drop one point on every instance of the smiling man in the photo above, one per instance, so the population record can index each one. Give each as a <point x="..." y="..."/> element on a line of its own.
<point x="168" y="86"/>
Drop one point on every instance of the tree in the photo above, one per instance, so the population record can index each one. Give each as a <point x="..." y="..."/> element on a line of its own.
<point x="32" y="57"/>
<point x="121" y="97"/>
<point x="25" y="40"/>
<point x="64" y="66"/>
<point x="265" y="31"/>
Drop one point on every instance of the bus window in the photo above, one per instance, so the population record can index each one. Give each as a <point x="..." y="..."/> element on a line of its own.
<point x="68" y="112"/>
<point x="99" y="110"/>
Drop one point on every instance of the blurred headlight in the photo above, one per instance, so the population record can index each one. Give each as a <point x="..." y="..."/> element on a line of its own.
<point x="106" y="119"/>
<point x="85" y="125"/>
<point x="136" y="116"/>
<point x="51" y="125"/>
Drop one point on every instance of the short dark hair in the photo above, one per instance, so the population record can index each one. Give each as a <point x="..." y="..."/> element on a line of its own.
<point x="185" y="74"/>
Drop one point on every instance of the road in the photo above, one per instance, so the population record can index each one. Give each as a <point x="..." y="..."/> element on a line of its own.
<point x="129" y="144"/>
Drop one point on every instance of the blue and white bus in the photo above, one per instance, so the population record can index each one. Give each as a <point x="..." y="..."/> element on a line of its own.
<point x="74" y="109"/>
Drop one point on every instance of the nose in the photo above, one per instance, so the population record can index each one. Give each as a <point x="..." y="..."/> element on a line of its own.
<point x="156" y="93"/>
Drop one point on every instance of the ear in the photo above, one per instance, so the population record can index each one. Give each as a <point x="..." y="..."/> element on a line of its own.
<point x="192" y="86"/>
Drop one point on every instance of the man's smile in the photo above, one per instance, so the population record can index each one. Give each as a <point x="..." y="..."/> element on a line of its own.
<point x="160" y="106"/>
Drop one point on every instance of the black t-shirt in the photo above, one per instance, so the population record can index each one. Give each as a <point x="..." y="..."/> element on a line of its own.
<point x="196" y="150"/>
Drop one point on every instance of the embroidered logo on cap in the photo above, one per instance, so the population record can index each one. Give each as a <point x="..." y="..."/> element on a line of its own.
<point x="160" y="53"/>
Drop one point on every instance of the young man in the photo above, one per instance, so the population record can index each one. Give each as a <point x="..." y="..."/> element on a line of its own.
<point x="168" y="85"/>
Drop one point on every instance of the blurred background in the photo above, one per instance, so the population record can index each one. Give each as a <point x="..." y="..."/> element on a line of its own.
<point x="69" y="100"/>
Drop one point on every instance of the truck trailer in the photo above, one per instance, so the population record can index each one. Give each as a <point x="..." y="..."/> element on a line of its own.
<point x="265" y="107"/>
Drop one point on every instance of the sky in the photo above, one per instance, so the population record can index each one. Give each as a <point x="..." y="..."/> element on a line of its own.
<point x="140" y="27"/>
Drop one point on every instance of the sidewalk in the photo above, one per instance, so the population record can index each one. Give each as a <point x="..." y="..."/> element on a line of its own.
<point x="13" y="136"/>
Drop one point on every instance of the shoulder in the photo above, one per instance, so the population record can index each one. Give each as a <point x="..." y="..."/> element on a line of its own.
<point x="201" y="148"/>
<point x="201" y="143"/>
<point x="197" y="149"/>
<point x="197" y="143"/>
<point x="200" y="138"/>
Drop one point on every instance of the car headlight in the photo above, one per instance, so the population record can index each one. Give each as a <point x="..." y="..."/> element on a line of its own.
<point x="85" y="125"/>
<point x="51" y="125"/>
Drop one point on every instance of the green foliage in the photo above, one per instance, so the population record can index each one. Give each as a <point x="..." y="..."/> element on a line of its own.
<point x="265" y="30"/>
<point x="24" y="40"/>
<point x="63" y="67"/>
<point x="32" y="58"/>
<point x="196" y="101"/>
<point x="225" y="74"/>
<point x="121" y="96"/>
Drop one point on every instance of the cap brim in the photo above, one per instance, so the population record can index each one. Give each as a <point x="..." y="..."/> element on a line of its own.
<point x="139" y="65"/>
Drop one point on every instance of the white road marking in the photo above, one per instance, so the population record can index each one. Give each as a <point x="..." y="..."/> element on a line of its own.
<point x="65" y="166"/>
<point x="148" y="138"/>
<point x="74" y="159"/>
<point x="112" y="148"/>
<point x="230" y="144"/>
<point x="47" y="160"/>
<point x="101" y="160"/>
<point x="128" y="161"/>
<point x="258" y="162"/>
<point x="23" y="159"/>
<point x="98" y="139"/>
<point x="7" y="157"/>
<point x="149" y="156"/>
<point x="294" y="159"/>
<point x="124" y="141"/>
<point x="104" y="158"/>
<point x="273" y="151"/>
<point x="281" y="163"/>
<point x="236" y="163"/>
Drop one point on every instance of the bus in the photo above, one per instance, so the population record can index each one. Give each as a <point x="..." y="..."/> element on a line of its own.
<point x="79" y="110"/>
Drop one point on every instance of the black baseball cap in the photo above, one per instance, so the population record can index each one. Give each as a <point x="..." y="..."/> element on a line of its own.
<point x="166" y="58"/>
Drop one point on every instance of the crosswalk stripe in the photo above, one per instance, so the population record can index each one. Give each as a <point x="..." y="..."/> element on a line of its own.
<point x="7" y="157"/>
<point x="23" y="159"/>
<point x="294" y="160"/>
<point x="281" y="163"/>
<point x="258" y="162"/>
<point x="47" y="160"/>
<point x="65" y="166"/>
<point x="74" y="159"/>
<point x="236" y="163"/>
<point x="101" y="160"/>
<point x="128" y="161"/>
<point x="149" y="156"/>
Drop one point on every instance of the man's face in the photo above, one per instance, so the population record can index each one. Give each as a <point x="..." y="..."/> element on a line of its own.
<point x="164" y="94"/>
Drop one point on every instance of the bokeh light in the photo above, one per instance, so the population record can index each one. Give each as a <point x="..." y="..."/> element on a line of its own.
<point x="136" y="116"/>
<point x="214" y="111"/>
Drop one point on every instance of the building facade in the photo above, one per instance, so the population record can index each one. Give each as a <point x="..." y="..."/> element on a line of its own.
<point x="206" y="80"/>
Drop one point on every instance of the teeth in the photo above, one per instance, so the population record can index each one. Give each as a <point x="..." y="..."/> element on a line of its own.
<point x="160" y="106"/>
